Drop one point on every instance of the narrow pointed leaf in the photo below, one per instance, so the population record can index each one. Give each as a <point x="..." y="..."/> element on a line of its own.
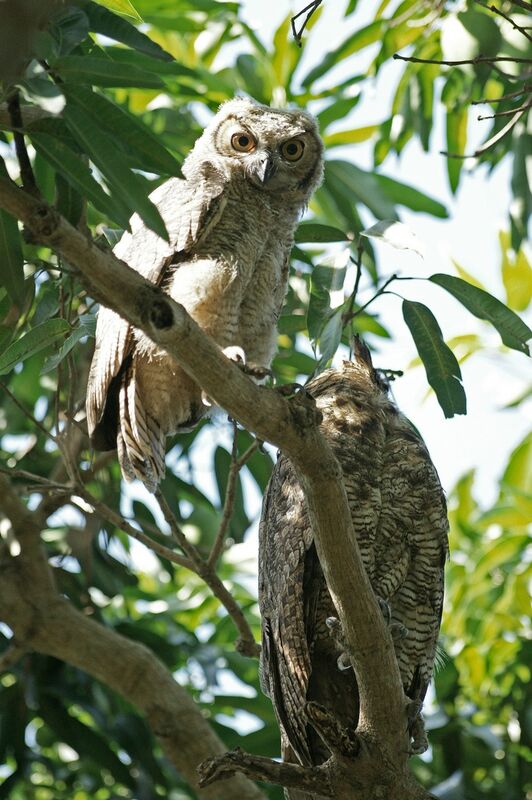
<point x="11" y="258"/>
<point x="85" y="327"/>
<point x="314" y="232"/>
<point x="77" y="173"/>
<point x="129" y="187"/>
<point x="133" y="134"/>
<point x="357" y="41"/>
<point x="122" y="6"/>
<point x="411" y="198"/>
<point x="330" y="338"/>
<point x="105" y="72"/>
<point x="514" y="332"/>
<point x="441" y="366"/>
<point x="32" y="342"/>
<point x="396" y="234"/>
<point x="105" y="22"/>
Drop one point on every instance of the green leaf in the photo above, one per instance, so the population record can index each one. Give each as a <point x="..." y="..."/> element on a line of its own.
<point x="69" y="28"/>
<point x="129" y="187"/>
<point x="337" y="110"/>
<point x="441" y="366"/>
<point x="516" y="275"/>
<point x="43" y="335"/>
<point x="407" y="196"/>
<point x="314" y="232"/>
<point x="105" y="22"/>
<point x="353" y="136"/>
<point x="456" y="144"/>
<point x="514" y="332"/>
<point x="105" y="72"/>
<point x="330" y="338"/>
<point x="357" y="41"/>
<point x="356" y="185"/>
<point x="69" y="203"/>
<point x="85" y="327"/>
<point x="11" y="258"/>
<point x="78" y="174"/>
<point x="122" y="6"/>
<point x="326" y="277"/>
<point x="44" y="93"/>
<point x="134" y="136"/>
<point x="396" y="234"/>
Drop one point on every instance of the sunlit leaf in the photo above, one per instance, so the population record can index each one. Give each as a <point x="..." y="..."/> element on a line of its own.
<point x="122" y="6"/>
<point x="105" y="22"/>
<point x="408" y="196"/>
<point x="353" y="136"/>
<point x="356" y="41"/>
<point x="456" y="144"/>
<point x="441" y="366"/>
<point x="396" y="234"/>
<point x="514" y="332"/>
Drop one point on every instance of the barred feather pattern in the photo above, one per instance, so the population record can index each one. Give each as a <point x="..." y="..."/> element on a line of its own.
<point x="399" y="517"/>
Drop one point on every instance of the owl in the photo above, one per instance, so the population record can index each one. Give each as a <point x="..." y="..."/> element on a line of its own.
<point x="399" y="519"/>
<point x="231" y="225"/>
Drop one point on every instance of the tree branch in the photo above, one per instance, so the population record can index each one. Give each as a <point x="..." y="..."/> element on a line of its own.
<point x="291" y="425"/>
<point x="512" y="22"/>
<point x="44" y="621"/>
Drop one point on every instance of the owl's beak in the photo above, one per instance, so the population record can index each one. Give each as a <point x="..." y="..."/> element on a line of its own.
<point x="265" y="168"/>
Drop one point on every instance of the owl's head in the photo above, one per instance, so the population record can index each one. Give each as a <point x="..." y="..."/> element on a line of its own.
<point x="276" y="150"/>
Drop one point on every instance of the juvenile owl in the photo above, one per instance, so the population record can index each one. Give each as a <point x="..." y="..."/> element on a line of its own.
<point x="231" y="227"/>
<point x="399" y="517"/>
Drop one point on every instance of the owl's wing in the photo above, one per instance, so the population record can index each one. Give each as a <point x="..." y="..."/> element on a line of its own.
<point x="284" y="542"/>
<point x="415" y="518"/>
<point x="189" y="210"/>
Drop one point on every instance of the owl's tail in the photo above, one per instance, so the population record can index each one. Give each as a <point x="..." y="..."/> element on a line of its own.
<point x="140" y="439"/>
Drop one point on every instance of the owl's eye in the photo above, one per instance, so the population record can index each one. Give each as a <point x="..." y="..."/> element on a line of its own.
<point x="292" y="150"/>
<point x="243" y="142"/>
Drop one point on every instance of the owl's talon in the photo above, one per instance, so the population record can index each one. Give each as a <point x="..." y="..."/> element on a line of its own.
<point x="289" y="390"/>
<point x="335" y="629"/>
<point x="236" y="354"/>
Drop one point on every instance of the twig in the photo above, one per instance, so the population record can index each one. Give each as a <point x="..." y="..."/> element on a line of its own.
<point x="486" y="146"/>
<point x="348" y="315"/>
<point x="236" y="466"/>
<point x="525" y="90"/>
<point x="119" y="522"/>
<point x="522" y="4"/>
<point x="378" y="293"/>
<point x="477" y="60"/>
<point x="26" y="172"/>
<point x="508" y="113"/>
<point x="512" y="22"/>
<point x="311" y="8"/>
<point x="28" y="414"/>
<point x="246" y="643"/>
<point x="30" y="476"/>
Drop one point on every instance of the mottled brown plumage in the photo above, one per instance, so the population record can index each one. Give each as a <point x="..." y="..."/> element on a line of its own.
<point x="399" y="516"/>
<point x="231" y="226"/>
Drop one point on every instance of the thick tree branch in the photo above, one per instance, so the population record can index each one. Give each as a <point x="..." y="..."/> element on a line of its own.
<point x="290" y="424"/>
<point x="44" y="621"/>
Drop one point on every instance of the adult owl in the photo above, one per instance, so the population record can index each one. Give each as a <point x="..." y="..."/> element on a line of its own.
<point x="399" y="517"/>
<point x="231" y="225"/>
